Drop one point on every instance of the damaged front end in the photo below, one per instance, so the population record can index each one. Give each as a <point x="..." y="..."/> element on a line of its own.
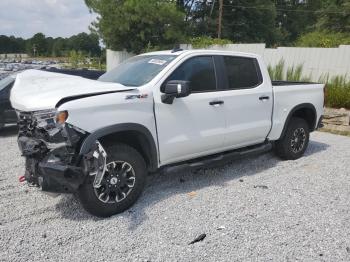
<point x="51" y="149"/>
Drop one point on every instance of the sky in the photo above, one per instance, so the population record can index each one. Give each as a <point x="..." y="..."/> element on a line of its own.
<point x="24" y="18"/>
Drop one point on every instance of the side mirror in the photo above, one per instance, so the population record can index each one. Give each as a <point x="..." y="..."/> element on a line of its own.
<point x="175" y="89"/>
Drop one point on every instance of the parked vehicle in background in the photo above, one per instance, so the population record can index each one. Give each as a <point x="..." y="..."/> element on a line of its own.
<point x="7" y="113"/>
<point x="160" y="110"/>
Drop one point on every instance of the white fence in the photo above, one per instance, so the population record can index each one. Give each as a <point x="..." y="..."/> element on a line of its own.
<point x="317" y="62"/>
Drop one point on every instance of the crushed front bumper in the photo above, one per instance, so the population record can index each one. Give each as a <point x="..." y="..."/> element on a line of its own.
<point x="52" y="153"/>
<point x="48" y="169"/>
<point x="60" y="178"/>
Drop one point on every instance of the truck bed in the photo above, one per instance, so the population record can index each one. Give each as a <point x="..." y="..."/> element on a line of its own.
<point x="287" y="95"/>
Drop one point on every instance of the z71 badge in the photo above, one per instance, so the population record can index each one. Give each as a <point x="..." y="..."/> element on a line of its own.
<point x="136" y="96"/>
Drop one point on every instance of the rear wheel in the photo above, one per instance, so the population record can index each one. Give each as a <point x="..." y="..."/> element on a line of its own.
<point x="295" y="141"/>
<point x="121" y="185"/>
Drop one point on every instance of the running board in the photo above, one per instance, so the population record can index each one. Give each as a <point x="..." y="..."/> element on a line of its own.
<point x="219" y="158"/>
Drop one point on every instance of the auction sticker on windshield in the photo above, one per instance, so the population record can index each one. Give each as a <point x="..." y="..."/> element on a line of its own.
<point x="157" y="61"/>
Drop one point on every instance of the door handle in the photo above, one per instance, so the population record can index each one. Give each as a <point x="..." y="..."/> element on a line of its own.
<point x="216" y="103"/>
<point x="264" y="98"/>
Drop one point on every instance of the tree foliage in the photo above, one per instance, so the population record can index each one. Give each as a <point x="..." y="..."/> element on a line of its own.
<point x="295" y="17"/>
<point x="332" y="27"/>
<point x="335" y="16"/>
<point x="205" y="41"/>
<point x="243" y="20"/>
<point x="11" y="44"/>
<point x="40" y="45"/>
<point x="252" y="25"/>
<point x="133" y="25"/>
<point x="37" y="45"/>
<point x="137" y="26"/>
<point x="323" y="39"/>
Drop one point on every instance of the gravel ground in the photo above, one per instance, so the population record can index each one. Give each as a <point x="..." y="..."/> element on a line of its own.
<point x="256" y="209"/>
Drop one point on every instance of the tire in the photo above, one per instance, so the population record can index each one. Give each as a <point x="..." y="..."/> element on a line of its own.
<point x="295" y="141"/>
<point x="118" y="154"/>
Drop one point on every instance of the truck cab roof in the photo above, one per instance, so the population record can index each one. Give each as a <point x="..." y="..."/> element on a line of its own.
<point x="201" y="52"/>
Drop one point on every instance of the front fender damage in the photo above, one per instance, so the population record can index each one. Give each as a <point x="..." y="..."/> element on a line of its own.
<point x="53" y="163"/>
<point x="54" y="174"/>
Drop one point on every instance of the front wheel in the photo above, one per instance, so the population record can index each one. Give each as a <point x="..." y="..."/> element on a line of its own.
<point x="121" y="185"/>
<point x="295" y="141"/>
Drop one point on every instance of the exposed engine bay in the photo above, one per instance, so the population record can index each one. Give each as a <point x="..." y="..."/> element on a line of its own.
<point x="51" y="149"/>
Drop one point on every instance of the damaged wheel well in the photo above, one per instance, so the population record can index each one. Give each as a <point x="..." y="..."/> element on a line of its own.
<point x="134" y="139"/>
<point x="134" y="135"/>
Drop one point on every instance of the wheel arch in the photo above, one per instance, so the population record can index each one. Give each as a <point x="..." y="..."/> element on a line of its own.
<point x="135" y="135"/>
<point x="305" y="111"/>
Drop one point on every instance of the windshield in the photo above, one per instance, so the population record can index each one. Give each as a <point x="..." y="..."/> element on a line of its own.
<point x="137" y="70"/>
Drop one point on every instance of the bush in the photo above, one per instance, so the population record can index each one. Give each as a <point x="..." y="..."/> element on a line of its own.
<point x="323" y="39"/>
<point x="205" y="41"/>
<point x="75" y="59"/>
<point x="338" y="92"/>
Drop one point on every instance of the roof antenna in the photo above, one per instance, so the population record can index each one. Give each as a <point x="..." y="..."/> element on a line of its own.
<point x="176" y="48"/>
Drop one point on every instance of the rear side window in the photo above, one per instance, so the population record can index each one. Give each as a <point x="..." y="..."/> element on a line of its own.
<point x="242" y="72"/>
<point x="199" y="71"/>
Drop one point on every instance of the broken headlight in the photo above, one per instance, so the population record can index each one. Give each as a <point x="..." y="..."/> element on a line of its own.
<point x="50" y="120"/>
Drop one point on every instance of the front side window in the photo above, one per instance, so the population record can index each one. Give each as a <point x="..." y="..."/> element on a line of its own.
<point x="137" y="70"/>
<point x="242" y="72"/>
<point x="199" y="71"/>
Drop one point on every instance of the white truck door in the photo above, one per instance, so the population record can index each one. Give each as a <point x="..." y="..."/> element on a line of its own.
<point x="248" y="102"/>
<point x="191" y="126"/>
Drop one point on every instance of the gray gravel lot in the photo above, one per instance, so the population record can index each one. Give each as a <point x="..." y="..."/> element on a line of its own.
<point x="256" y="209"/>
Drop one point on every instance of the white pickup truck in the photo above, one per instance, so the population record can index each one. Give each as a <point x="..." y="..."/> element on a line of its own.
<point x="156" y="111"/>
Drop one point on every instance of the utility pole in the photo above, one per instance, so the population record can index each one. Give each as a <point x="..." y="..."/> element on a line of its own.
<point x="221" y="3"/>
<point x="212" y="7"/>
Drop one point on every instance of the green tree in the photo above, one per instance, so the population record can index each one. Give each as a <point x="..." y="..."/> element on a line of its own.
<point x="295" y="17"/>
<point x="249" y="21"/>
<point x="37" y="45"/>
<point x="59" y="47"/>
<point x="87" y="43"/>
<point x="11" y="44"/>
<point x="335" y="16"/>
<point x="200" y="18"/>
<point x="244" y="21"/>
<point x="323" y="39"/>
<point x="135" y="25"/>
<point x="76" y="59"/>
<point x="332" y="27"/>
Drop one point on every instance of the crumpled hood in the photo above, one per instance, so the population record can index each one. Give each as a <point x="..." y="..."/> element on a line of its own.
<point x="38" y="90"/>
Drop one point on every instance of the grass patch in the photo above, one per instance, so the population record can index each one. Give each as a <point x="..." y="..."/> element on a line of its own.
<point x="338" y="92"/>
